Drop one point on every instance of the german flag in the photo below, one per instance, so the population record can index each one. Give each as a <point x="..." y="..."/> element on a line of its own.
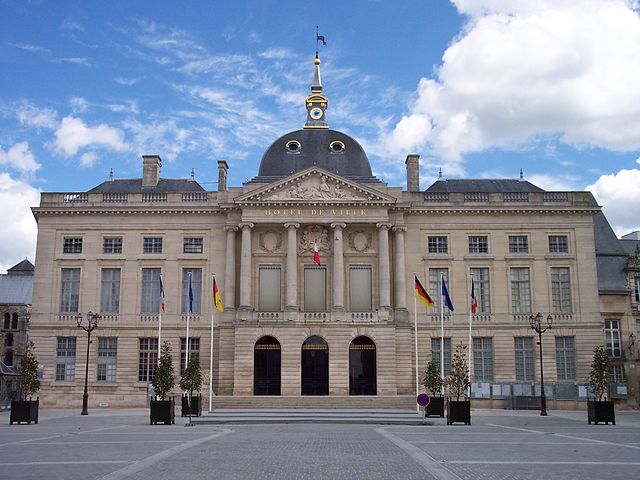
<point x="422" y="294"/>
<point x="217" y="302"/>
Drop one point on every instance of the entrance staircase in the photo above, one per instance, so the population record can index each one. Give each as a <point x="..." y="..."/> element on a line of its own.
<point x="359" y="402"/>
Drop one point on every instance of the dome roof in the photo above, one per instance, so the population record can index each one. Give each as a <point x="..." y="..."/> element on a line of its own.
<point x="330" y="150"/>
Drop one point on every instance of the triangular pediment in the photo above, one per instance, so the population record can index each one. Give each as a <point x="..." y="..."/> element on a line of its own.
<point x="317" y="186"/>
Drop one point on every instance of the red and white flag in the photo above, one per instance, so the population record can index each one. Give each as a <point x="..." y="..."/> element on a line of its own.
<point x="316" y="255"/>
<point x="474" y="299"/>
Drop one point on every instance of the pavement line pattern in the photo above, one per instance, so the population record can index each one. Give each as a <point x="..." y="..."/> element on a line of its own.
<point x="67" y="462"/>
<point x="421" y="457"/>
<point x="526" y="462"/>
<point x="481" y="442"/>
<point x="136" y="442"/>
<point x="158" y="457"/>
<point x="571" y="437"/>
<point x="33" y="440"/>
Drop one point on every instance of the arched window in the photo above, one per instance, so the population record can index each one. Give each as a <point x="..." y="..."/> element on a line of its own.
<point x="266" y="366"/>
<point x="7" y="321"/>
<point x="14" y="321"/>
<point x="315" y="366"/>
<point x="362" y="367"/>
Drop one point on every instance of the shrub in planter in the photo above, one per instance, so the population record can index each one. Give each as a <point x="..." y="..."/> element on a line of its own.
<point x="163" y="408"/>
<point x="190" y="382"/>
<point x="600" y="409"/>
<point x="26" y="409"/>
<point x="433" y="384"/>
<point x="457" y="385"/>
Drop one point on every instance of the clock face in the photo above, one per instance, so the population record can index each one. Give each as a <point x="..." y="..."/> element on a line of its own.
<point x="315" y="113"/>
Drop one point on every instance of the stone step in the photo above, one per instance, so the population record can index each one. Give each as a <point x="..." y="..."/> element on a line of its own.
<point x="407" y="402"/>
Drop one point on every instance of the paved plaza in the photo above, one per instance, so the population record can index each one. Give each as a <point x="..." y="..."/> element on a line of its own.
<point x="120" y="444"/>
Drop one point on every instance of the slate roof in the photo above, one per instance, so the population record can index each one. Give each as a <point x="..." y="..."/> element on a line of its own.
<point x="25" y="267"/>
<point x="630" y="246"/>
<point x="134" y="185"/>
<point x="482" y="185"/>
<point x="611" y="257"/>
<point x="7" y="371"/>
<point x="16" y="289"/>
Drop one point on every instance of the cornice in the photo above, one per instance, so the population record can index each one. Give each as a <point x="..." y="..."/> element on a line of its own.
<point x="499" y="211"/>
<point x="42" y="211"/>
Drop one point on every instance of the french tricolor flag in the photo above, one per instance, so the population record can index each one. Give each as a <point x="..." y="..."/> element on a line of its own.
<point x="316" y="255"/>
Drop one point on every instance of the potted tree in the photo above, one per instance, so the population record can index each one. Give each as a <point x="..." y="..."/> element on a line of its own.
<point x="191" y="382"/>
<point x="163" y="406"/>
<point x="26" y="410"/>
<point x="432" y="381"/>
<point x="457" y="384"/>
<point x="600" y="409"/>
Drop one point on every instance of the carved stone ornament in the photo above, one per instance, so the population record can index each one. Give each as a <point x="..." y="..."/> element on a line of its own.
<point x="316" y="188"/>
<point x="270" y="241"/>
<point x="360" y="241"/>
<point x="314" y="234"/>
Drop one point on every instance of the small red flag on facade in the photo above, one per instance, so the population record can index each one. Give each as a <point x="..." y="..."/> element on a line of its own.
<point x="316" y="255"/>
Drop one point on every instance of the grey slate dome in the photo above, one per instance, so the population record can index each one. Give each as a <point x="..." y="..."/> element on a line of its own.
<point x="330" y="150"/>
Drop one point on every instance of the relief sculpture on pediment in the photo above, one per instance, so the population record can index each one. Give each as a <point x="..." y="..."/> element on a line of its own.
<point x="316" y="188"/>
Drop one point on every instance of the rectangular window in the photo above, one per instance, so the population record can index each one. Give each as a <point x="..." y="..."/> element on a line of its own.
<point x="196" y="289"/>
<point x="561" y="289"/>
<point x="152" y="245"/>
<point x="150" y="291"/>
<point x="112" y="245"/>
<point x="558" y="244"/>
<point x="617" y="374"/>
<point x="194" y="351"/>
<point x="66" y="359"/>
<point x="482" y="359"/>
<point x="69" y="290"/>
<point x="72" y="245"/>
<point x="479" y="244"/>
<point x="269" y="295"/>
<point x="315" y="289"/>
<point x="636" y="289"/>
<point x="107" y="359"/>
<point x="438" y="244"/>
<point x="110" y="291"/>
<point x="435" y="285"/>
<point x="435" y="353"/>
<point x="518" y="244"/>
<point x="192" y="245"/>
<point x="481" y="284"/>
<point x="520" y="290"/>
<point x="612" y="337"/>
<point x="148" y="359"/>
<point x="525" y="355"/>
<point x="360" y="288"/>
<point x="566" y="358"/>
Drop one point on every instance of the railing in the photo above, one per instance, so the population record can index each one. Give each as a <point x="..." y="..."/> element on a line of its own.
<point x="474" y="197"/>
<point x="75" y="197"/>
<point x="436" y="197"/>
<point x="115" y="197"/>
<point x="67" y="317"/>
<point x="154" y="197"/>
<point x="108" y="317"/>
<point x="149" y="317"/>
<point x="267" y="316"/>
<point x="556" y="197"/>
<point x="515" y="197"/>
<point x="194" y="196"/>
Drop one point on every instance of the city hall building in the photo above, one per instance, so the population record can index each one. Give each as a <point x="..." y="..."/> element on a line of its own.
<point x="342" y="329"/>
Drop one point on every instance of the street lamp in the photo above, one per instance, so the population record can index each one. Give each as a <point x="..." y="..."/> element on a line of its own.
<point x="536" y="324"/>
<point x="92" y="324"/>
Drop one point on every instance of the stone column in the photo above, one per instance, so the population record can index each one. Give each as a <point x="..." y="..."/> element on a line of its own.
<point x="230" y="269"/>
<point x="245" y="267"/>
<point x="383" y="266"/>
<point x="292" y="266"/>
<point x="400" y="278"/>
<point x="338" y="267"/>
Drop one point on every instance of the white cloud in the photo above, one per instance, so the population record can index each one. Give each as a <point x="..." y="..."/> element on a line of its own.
<point x="18" y="241"/>
<point x="19" y="157"/>
<point x="521" y="70"/>
<point x="78" y="104"/>
<point x="73" y="134"/>
<point x="33" y="116"/>
<point x="88" y="159"/>
<point x="69" y="24"/>
<point x="30" y="48"/>
<point x="84" y="61"/>
<point x="127" y="81"/>
<point x="619" y="195"/>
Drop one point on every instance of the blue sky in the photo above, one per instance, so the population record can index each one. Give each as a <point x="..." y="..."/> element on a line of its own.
<point x="479" y="88"/>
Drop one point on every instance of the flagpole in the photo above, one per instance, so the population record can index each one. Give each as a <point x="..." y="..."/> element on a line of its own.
<point x="470" y="339"/>
<point x="442" y="334"/>
<point x="213" y="307"/>
<point x="160" y="318"/>
<point x="186" y="350"/>
<point x="415" y="328"/>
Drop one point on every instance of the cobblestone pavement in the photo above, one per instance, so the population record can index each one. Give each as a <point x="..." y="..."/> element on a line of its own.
<point x="120" y="444"/>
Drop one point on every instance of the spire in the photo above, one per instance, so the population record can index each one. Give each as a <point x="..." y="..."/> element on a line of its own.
<point x="316" y="81"/>
<point x="316" y="102"/>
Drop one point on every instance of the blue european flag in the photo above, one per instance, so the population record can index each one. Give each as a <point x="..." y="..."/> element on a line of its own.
<point x="445" y="294"/>
<point x="190" y="295"/>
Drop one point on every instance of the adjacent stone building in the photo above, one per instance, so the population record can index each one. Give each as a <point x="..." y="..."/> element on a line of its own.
<point x="342" y="327"/>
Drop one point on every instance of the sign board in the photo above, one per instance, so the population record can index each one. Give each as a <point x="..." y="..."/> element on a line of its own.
<point x="423" y="399"/>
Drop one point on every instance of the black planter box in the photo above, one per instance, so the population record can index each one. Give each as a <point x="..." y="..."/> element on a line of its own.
<point x="194" y="407"/>
<point x="601" y="412"/>
<point x="24" y="411"/>
<point x="162" y="411"/>
<point x="459" y="411"/>
<point x="435" y="407"/>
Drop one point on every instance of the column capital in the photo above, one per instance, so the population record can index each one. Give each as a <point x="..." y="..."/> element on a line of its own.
<point x="291" y="225"/>
<point x="245" y="225"/>
<point x="383" y="226"/>
<point x="230" y="228"/>
<point x="400" y="228"/>
<point x="338" y="226"/>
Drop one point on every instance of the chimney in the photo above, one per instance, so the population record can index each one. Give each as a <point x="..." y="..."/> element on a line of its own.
<point x="223" y="168"/>
<point x="151" y="170"/>
<point x="413" y="172"/>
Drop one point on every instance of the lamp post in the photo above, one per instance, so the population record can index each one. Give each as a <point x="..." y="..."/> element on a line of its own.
<point x="536" y="324"/>
<point x="92" y="324"/>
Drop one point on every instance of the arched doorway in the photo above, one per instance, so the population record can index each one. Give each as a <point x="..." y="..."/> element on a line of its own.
<point x="362" y="367"/>
<point x="266" y="366"/>
<point x="315" y="366"/>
